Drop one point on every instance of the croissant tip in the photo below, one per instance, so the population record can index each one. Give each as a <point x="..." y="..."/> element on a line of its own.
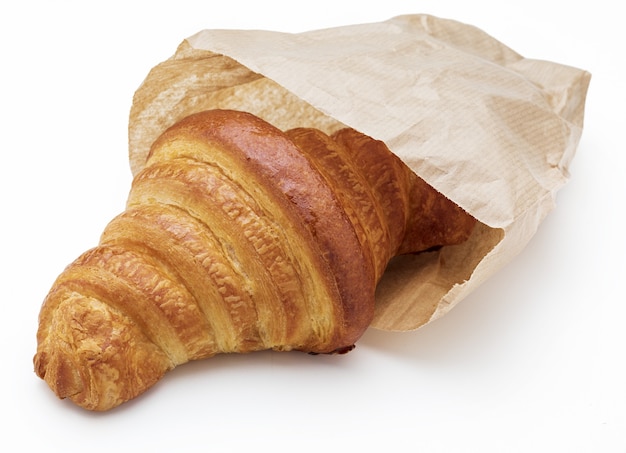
<point x="59" y="373"/>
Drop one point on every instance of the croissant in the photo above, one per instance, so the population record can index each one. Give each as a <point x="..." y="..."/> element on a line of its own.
<point x="236" y="237"/>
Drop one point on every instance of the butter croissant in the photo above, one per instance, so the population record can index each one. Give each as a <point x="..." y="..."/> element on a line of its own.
<point x="236" y="237"/>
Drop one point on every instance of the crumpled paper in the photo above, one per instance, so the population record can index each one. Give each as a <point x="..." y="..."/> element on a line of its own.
<point x="493" y="131"/>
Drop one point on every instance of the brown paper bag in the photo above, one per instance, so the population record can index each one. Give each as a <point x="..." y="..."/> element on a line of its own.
<point x="491" y="130"/>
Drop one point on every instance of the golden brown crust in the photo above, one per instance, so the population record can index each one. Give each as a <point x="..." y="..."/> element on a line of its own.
<point x="236" y="237"/>
<point x="420" y="216"/>
<point x="266" y="154"/>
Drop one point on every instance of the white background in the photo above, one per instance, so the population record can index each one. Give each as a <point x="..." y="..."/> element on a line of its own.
<point x="530" y="362"/>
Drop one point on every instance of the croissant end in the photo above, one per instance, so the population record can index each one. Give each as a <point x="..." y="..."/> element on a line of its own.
<point x="94" y="357"/>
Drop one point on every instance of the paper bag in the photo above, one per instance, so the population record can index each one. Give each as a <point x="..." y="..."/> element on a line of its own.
<point x="491" y="130"/>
